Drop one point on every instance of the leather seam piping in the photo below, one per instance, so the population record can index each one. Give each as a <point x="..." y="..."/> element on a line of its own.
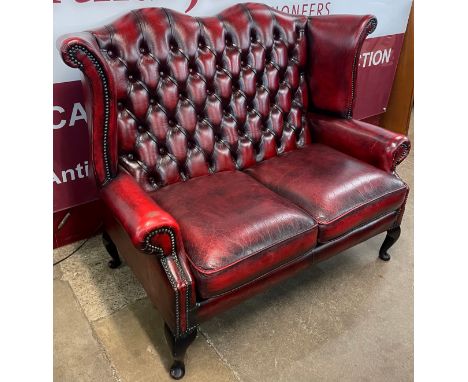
<point x="333" y="238"/>
<point x="358" y="207"/>
<point x="400" y="154"/>
<point x="173" y="283"/>
<point x="163" y="260"/>
<point x="368" y="29"/>
<point x="402" y="208"/>
<point x="206" y="271"/>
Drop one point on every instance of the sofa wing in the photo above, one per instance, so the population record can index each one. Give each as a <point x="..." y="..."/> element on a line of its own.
<point x="372" y="144"/>
<point x="334" y="46"/>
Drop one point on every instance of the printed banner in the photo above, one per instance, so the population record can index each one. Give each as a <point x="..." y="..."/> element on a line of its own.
<point x="73" y="183"/>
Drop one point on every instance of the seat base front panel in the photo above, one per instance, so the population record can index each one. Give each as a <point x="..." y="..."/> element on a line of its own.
<point x="217" y="305"/>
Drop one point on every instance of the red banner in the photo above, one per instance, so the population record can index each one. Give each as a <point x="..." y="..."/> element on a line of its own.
<point x="377" y="67"/>
<point x="72" y="183"/>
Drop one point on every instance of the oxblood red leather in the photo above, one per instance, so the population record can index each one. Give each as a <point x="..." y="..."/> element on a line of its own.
<point x="334" y="46"/>
<point x="140" y="215"/>
<point x="167" y="280"/>
<point x="99" y="94"/>
<point x="338" y="191"/>
<point x="193" y="119"/>
<point x="235" y="229"/>
<point x="371" y="144"/>
<point x="216" y="305"/>
<point x="196" y="96"/>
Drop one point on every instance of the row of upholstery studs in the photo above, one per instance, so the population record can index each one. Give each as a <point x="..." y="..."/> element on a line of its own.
<point x="72" y="54"/>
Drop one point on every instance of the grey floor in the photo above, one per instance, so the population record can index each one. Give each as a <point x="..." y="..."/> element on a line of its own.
<point x="347" y="319"/>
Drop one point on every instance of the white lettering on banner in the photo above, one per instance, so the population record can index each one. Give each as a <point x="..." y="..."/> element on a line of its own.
<point x="72" y="174"/>
<point x="62" y="122"/>
<point x="307" y="9"/>
<point x="379" y="57"/>
<point x="78" y="113"/>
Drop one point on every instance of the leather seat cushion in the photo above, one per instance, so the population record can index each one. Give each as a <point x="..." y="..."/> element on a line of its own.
<point x="339" y="192"/>
<point x="235" y="229"/>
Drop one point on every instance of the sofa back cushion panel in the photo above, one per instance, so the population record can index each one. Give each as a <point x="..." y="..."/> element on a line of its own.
<point x="203" y="95"/>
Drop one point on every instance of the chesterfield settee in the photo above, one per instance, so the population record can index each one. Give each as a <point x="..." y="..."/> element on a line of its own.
<point x="226" y="155"/>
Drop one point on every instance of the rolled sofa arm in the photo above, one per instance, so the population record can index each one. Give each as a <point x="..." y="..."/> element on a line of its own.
<point x="150" y="228"/>
<point x="334" y="46"/>
<point x="372" y="144"/>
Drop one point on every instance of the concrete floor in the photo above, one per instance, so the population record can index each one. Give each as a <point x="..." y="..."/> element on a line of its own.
<point x="347" y="319"/>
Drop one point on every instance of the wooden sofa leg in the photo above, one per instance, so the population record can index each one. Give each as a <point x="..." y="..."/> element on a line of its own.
<point x="178" y="348"/>
<point x="111" y="250"/>
<point x="392" y="236"/>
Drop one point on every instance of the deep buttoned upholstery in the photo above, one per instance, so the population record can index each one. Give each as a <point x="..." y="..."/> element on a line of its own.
<point x="195" y="96"/>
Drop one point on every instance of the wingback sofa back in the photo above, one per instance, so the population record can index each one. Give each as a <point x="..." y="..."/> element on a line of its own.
<point x="176" y="97"/>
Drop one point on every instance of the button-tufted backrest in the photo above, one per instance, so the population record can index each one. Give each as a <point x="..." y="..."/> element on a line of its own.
<point x="190" y="96"/>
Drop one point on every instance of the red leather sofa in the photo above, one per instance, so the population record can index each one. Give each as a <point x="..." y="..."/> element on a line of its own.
<point x="226" y="154"/>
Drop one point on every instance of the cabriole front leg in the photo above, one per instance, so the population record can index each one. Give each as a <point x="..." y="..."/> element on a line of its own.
<point x="178" y="347"/>
<point x="111" y="250"/>
<point x="392" y="236"/>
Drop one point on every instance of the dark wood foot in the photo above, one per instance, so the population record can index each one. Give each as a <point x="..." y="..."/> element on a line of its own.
<point x="392" y="236"/>
<point x="111" y="250"/>
<point x="178" y="348"/>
